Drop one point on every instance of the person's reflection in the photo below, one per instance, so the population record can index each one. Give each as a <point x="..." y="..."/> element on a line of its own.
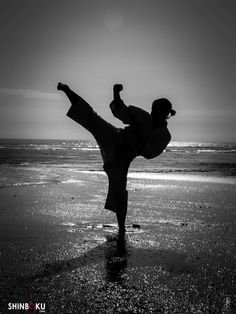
<point x="116" y="259"/>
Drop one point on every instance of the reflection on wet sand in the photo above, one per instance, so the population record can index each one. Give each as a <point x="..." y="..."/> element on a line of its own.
<point x="118" y="255"/>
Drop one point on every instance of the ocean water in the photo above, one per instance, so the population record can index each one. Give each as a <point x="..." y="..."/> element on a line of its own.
<point x="32" y="162"/>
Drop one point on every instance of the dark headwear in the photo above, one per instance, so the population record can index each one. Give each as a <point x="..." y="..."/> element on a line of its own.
<point x="161" y="110"/>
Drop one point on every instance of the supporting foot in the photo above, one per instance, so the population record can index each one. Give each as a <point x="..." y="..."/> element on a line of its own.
<point x="121" y="216"/>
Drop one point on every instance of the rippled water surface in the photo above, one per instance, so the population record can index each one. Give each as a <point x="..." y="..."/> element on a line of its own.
<point x="27" y="162"/>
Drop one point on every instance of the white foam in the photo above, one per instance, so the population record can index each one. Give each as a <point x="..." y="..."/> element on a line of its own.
<point x="29" y="183"/>
<point x="71" y="181"/>
<point x="70" y="224"/>
<point x="181" y="177"/>
<point x="174" y="177"/>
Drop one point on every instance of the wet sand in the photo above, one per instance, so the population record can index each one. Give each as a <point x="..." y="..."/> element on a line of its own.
<point x="58" y="247"/>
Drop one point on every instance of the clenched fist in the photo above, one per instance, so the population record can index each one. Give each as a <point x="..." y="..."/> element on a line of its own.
<point x="118" y="87"/>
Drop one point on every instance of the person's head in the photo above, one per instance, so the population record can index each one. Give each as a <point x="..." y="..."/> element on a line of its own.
<point x="161" y="110"/>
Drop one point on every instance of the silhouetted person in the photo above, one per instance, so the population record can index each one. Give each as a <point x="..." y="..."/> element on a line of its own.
<point x="147" y="135"/>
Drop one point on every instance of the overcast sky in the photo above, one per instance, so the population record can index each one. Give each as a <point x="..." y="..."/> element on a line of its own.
<point x="183" y="50"/>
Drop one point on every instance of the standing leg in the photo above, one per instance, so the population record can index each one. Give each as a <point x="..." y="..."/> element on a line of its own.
<point x="121" y="217"/>
<point x="117" y="197"/>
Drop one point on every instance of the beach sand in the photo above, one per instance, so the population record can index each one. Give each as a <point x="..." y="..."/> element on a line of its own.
<point x="56" y="250"/>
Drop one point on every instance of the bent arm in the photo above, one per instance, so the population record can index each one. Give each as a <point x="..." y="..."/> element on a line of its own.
<point x="117" y="88"/>
<point x="118" y="107"/>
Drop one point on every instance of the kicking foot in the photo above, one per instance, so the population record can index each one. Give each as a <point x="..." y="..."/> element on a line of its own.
<point x="62" y="87"/>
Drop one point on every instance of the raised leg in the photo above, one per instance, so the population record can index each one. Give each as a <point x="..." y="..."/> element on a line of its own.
<point x="81" y="112"/>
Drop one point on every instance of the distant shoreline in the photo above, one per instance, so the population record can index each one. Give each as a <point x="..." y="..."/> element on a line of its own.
<point x="92" y="140"/>
<point x="171" y="177"/>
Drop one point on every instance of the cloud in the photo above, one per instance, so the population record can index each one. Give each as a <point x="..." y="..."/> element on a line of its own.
<point x="29" y="93"/>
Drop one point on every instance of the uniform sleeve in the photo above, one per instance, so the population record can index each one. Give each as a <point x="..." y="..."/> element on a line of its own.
<point x="134" y="116"/>
<point x="155" y="143"/>
<point x="120" y="111"/>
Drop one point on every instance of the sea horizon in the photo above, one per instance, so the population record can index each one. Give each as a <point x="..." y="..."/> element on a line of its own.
<point x="40" y="161"/>
<point x="93" y="140"/>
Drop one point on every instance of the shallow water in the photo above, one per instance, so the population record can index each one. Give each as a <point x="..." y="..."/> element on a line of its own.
<point x="31" y="162"/>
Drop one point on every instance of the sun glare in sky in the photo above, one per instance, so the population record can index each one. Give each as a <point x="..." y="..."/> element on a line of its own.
<point x="113" y="20"/>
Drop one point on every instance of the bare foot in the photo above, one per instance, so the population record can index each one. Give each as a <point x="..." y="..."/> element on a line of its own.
<point x="61" y="86"/>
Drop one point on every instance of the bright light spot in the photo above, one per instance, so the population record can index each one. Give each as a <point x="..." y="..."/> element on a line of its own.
<point x="113" y="20"/>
